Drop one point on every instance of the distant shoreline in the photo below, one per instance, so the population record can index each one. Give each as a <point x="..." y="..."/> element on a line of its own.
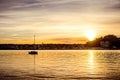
<point x="51" y="47"/>
<point x="60" y="49"/>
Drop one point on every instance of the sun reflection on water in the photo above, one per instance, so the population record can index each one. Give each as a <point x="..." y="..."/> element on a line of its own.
<point x="91" y="61"/>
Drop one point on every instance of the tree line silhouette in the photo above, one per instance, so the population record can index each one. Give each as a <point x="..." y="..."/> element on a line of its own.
<point x="106" y="42"/>
<point x="41" y="46"/>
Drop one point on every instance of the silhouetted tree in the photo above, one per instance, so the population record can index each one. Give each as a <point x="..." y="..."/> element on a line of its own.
<point x="112" y="39"/>
<point x="114" y="42"/>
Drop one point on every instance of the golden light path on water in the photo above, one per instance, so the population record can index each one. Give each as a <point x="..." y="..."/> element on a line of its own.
<point x="95" y="67"/>
<point x="91" y="62"/>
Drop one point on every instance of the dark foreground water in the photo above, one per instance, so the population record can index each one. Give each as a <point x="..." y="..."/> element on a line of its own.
<point x="60" y="65"/>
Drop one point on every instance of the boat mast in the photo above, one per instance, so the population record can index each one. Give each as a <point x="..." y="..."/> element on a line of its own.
<point x="34" y="39"/>
<point x="34" y="42"/>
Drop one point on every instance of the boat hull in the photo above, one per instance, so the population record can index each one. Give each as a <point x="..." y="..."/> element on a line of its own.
<point x="33" y="52"/>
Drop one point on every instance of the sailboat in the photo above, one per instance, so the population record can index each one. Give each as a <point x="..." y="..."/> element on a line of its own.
<point x="33" y="51"/>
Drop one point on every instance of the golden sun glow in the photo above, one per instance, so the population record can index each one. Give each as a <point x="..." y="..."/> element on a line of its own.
<point x="90" y="34"/>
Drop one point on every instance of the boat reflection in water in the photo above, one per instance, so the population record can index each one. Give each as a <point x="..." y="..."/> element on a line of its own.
<point x="34" y="62"/>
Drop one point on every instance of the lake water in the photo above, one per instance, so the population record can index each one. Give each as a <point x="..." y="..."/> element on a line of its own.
<point x="60" y="65"/>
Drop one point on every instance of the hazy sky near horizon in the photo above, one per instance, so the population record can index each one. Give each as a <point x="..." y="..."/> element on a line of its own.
<point x="57" y="21"/>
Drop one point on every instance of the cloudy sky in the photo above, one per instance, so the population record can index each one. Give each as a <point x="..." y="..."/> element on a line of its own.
<point x="57" y="21"/>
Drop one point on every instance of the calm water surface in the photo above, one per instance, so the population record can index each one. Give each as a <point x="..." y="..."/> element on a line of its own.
<point x="60" y="64"/>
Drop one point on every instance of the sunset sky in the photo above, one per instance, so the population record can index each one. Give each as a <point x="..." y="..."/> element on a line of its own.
<point x="57" y="21"/>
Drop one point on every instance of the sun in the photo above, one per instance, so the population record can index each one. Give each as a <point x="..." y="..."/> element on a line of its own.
<point x="90" y="34"/>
